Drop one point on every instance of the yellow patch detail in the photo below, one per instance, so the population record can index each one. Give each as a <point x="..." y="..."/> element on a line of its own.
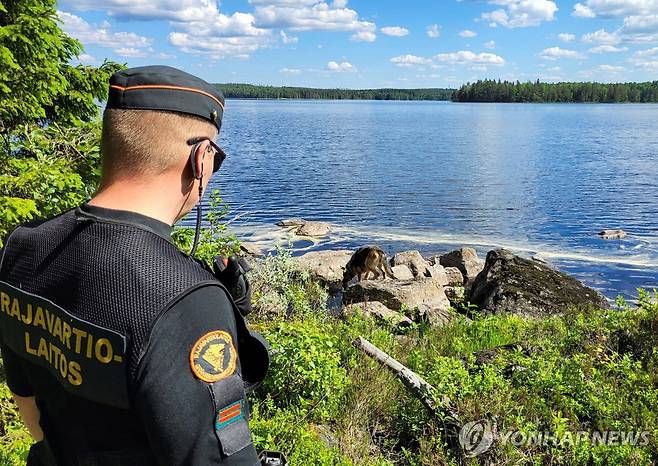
<point x="213" y="356"/>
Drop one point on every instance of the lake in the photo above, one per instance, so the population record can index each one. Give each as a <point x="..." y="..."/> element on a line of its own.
<point x="539" y="179"/>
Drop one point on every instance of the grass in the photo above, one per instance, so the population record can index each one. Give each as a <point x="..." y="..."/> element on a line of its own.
<point x="324" y="403"/>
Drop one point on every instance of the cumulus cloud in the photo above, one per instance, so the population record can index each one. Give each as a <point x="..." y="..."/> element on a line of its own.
<point x="466" y="57"/>
<point x="640" y="29"/>
<point x="521" y="13"/>
<point x="343" y="67"/>
<point x="182" y="10"/>
<point x="395" y="31"/>
<point x="615" y="8"/>
<point x="127" y="44"/>
<point x="409" y="60"/>
<point x="602" y="37"/>
<point x="433" y="31"/>
<point x="607" y="49"/>
<point x="555" y="53"/>
<point x="566" y="37"/>
<point x="612" y="69"/>
<point x="86" y="59"/>
<point x="467" y="33"/>
<point x="286" y="39"/>
<point x="364" y="36"/>
<point x="491" y="44"/>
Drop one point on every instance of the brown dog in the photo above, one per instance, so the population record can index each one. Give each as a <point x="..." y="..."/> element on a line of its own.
<point x="365" y="260"/>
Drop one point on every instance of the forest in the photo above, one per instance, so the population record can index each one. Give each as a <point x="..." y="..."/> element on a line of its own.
<point x="490" y="90"/>
<point x="249" y="91"/>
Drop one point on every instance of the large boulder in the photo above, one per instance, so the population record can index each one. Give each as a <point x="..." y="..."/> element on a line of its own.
<point x="466" y="260"/>
<point x="455" y="277"/>
<point x="512" y="284"/>
<point x="378" y="311"/>
<point x="412" y="259"/>
<point x="313" y="229"/>
<point x="327" y="266"/>
<point x="426" y="294"/>
<point x="438" y="273"/>
<point x="402" y="272"/>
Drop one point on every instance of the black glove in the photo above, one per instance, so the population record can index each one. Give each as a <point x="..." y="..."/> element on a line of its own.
<point x="232" y="273"/>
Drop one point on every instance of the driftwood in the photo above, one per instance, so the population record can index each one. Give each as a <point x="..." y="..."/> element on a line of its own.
<point x="442" y="408"/>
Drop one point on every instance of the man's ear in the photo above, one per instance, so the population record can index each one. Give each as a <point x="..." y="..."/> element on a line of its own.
<point x="197" y="159"/>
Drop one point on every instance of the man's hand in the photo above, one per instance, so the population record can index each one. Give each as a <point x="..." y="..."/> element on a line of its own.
<point x="232" y="273"/>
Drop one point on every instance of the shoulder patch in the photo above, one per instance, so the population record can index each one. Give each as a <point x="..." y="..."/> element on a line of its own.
<point x="213" y="356"/>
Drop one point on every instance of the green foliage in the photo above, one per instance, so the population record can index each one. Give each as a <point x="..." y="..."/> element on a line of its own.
<point x="249" y="91"/>
<point x="37" y="83"/>
<point x="306" y="369"/>
<point x="213" y="239"/>
<point x="490" y="90"/>
<point x="282" y="289"/>
<point x="51" y="169"/>
<point x="15" y="441"/>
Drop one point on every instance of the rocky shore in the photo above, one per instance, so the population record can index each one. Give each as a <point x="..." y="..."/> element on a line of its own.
<point x="431" y="288"/>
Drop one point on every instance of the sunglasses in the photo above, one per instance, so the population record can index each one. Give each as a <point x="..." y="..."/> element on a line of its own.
<point x="219" y="155"/>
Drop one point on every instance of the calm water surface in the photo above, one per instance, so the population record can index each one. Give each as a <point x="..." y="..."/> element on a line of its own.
<point x="541" y="180"/>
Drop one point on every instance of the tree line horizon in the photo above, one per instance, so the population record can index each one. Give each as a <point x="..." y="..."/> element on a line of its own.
<point x="487" y="90"/>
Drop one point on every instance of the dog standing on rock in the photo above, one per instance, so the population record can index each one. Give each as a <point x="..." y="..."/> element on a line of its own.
<point x="365" y="260"/>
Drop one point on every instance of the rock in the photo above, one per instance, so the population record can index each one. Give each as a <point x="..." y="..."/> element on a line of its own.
<point x="425" y="293"/>
<point x="402" y="272"/>
<point x="516" y="285"/>
<point x="438" y="273"/>
<point x="379" y="311"/>
<point x="312" y="228"/>
<point x="466" y="260"/>
<point x="455" y="277"/>
<point x="437" y="316"/>
<point x="612" y="234"/>
<point x="291" y="222"/>
<point x="411" y="259"/>
<point x="455" y="293"/>
<point x="327" y="266"/>
<point x="251" y="249"/>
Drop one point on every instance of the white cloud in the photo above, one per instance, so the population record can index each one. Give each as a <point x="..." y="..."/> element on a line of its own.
<point x="395" y="31"/>
<point x="290" y="71"/>
<point x="467" y="33"/>
<point x="409" y="60"/>
<point x="602" y="37"/>
<point x="466" y="57"/>
<point x="640" y="29"/>
<point x="286" y="39"/>
<point x="646" y="59"/>
<point x="490" y="45"/>
<point x="521" y="13"/>
<point x="433" y="31"/>
<point x="182" y="10"/>
<point x="583" y="11"/>
<point x="612" y="8"/>
<point x="612" y="69"/>
<point x="131" y="44"/>
<point x="340" y="67"/>
<point x="307" y="15"/>
<point x="566" y="37"/>
<point x="364" y="36"/>
<point x="86" y="59"/>
<point x="554" y="53"/>
<point x="607" y="49"/>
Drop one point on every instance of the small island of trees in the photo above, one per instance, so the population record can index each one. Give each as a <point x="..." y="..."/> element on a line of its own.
<point x="490" y="90"/>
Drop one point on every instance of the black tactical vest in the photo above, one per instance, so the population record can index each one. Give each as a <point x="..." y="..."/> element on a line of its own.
<point x="78" y="299"/>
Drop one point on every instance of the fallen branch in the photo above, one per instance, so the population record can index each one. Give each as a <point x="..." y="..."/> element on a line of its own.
<point x="442" y="408"/>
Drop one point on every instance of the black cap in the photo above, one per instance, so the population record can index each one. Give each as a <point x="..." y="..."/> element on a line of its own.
<point x="166" y="88"/>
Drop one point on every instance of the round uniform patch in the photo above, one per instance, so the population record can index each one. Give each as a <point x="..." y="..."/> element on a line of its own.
<point x="213" y="356"/>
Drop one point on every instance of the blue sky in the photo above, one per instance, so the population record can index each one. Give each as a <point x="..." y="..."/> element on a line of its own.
<point x="369" y="44"/>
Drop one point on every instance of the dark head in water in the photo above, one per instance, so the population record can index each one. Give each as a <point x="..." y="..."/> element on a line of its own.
<point x="365" y="260"/>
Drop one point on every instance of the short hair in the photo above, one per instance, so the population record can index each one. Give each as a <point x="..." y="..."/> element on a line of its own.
<point x="147" y="142"/>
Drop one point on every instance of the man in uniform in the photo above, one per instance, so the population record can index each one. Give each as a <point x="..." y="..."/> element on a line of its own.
<point x="119" y="348"/>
